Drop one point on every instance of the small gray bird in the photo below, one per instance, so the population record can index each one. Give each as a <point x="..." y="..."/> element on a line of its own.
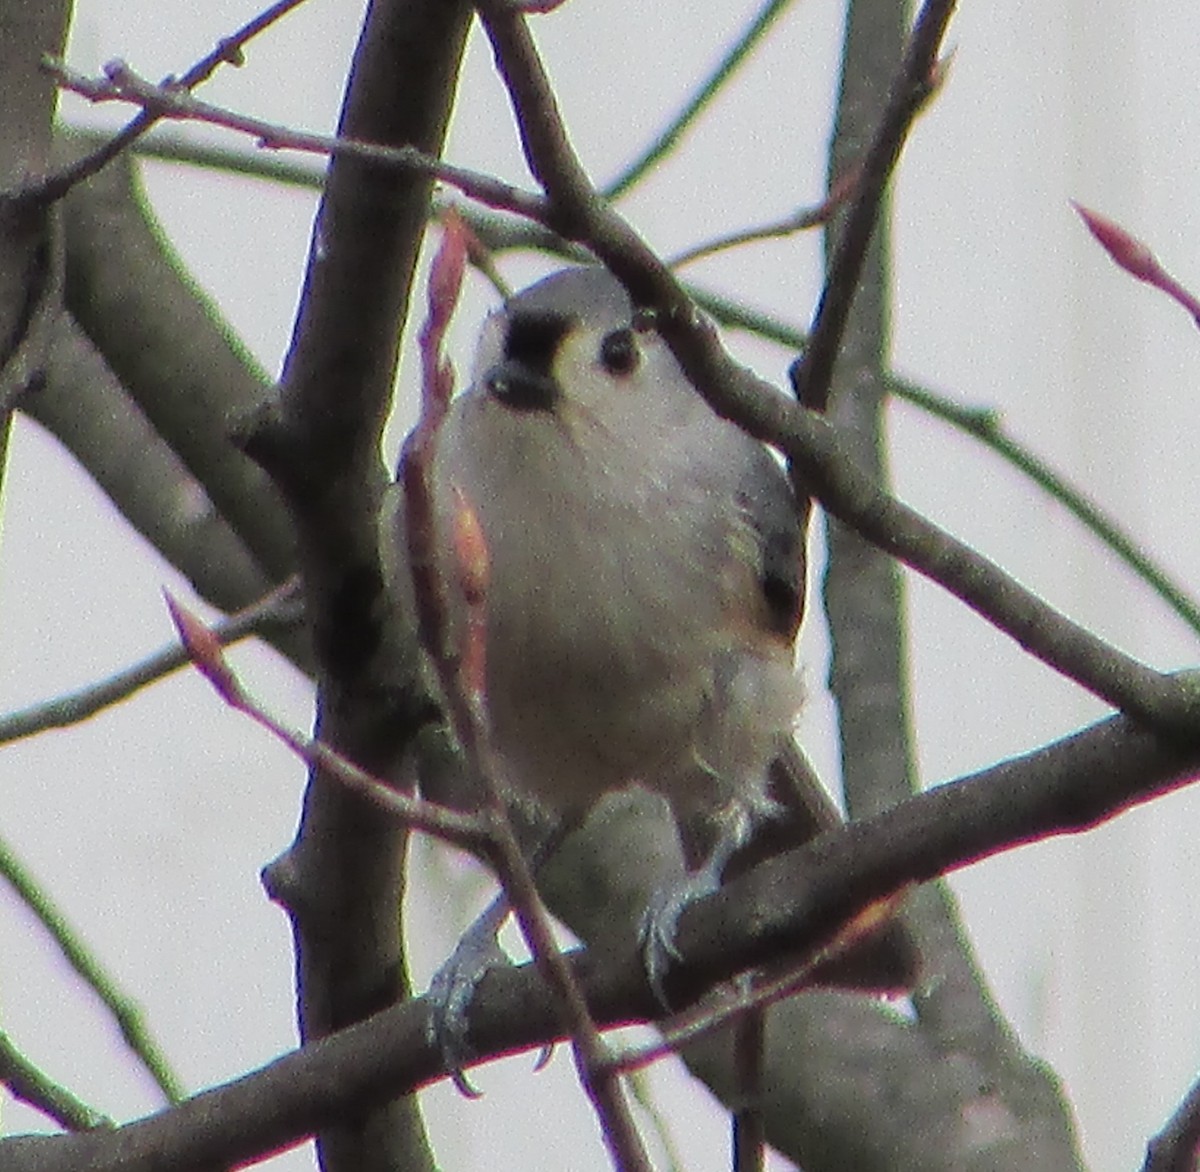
<point x="646" y="586"/>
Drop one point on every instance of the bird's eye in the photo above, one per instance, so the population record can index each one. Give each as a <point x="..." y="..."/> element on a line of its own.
<point x="619" y="352"/>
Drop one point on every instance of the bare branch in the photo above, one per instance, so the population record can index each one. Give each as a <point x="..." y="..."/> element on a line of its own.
<point x="31" y="1085"/>
<point x="919" y="76"/>
<point x="204" y="651"/>
<point x="320" y="440"/>
<point x="785" y="904"/>
<point x="122" y="84"/>
<point x="281" y="607"/>
<point x="666" y="140"/>
<point x="228" y="50"/>
<point x="800" y="220"/>
<point x="1175" y="1148"/>
<point x="171" y="350"/>
<point x="125" y="1011"/>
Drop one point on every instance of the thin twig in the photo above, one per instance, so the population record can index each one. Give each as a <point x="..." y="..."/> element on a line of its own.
<point x="173" y="146"/>
<point x="699" y="101"/>
<point x="800" y="220"/>
<point x="122" y="84"/>
<point x="738" y="999"/>
<point x="283" y="606"/>
<point x="206" y="654"/>
<point x="462" y="672"/>
<point x="125" y="1011"/>
<point x="643" y="1095"/>
<point x="812" y="374"/>
<point x="228" y="50"/>
<point x="33" y="1086"/>
<point x="749" y="1060"/>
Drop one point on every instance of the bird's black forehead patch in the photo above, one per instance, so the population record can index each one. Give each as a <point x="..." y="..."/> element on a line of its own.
<point x="534" y="335"/>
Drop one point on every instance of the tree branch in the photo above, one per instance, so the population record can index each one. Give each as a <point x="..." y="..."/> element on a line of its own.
<point x="29" y="1084"/>
<point x="320" y="442"/>
<point x="845" y="490"/>
<point x="784" y="906"/>
<point x="813" y="373"/>
<point x="282" y="607"/>
<point x="1174" y="1149"/>
<point x="174" y="354"/>
<point x="50" y="188"/>
<point x="126" y="1013"/>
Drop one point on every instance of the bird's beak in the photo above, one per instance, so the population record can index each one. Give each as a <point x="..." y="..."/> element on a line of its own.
<point x="518" y="385"/>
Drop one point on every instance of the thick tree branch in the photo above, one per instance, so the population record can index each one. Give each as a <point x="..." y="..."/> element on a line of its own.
<point x="784" y="906"/>
<point x="84" y="406"/>
<point x="342" y="881"/>
<point x="1174" y="1148"/>
<point x="171" y="350"/>
<point x="863" y="589"/>
<point x="812" y="376"/>
<point x="30" y="259"/>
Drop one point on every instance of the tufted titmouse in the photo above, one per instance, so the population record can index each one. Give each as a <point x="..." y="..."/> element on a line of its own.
<point x="646" y="584"/>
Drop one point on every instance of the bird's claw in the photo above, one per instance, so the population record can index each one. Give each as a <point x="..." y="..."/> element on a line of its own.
<point x="660" y="923"/>
<point x="450" y="993"/>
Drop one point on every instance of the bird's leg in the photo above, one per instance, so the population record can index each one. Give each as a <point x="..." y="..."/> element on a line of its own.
<point x="735" y="824"/>
<point x="453" y="985"/>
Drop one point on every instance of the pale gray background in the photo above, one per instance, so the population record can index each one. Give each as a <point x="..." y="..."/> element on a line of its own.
<point x="150" y="823"/>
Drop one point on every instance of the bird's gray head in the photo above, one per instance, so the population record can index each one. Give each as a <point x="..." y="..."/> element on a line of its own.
<point x="569" y="337"/>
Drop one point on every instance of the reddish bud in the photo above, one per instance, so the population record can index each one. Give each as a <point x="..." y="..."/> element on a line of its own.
<point x="204" y="649"/>
<point x="445" y="282"/>
<point x="1128" y="251"/>
<point x="1135" y="258"/>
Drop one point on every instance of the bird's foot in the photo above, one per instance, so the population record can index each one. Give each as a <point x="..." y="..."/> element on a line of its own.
<point x="453" y="987"/>
<point x="660" y="923"/>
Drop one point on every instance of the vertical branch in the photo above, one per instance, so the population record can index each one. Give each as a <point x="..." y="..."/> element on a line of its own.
<point x="862" y="588"/>
<point x="27" y="260"/>
<point x="342" y="881"/>
<point x="864" y="600"/>
<point x="462" y="672"/>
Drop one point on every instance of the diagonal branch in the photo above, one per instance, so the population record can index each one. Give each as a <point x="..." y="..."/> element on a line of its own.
<point x="1174" y="1149"/>
<point x="787" y="904"/>
<point x="282" y="607"/>
<point x="122" y="84"/>
<point x="665" y="141"/>
<point x="845" y="490"/>
<point x="228" y="50"/>
<point x="125" y="1012"/>
<point x="171" y="350"/>
<point x="812" y="376"/>
<point x="28" y="1084"/>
